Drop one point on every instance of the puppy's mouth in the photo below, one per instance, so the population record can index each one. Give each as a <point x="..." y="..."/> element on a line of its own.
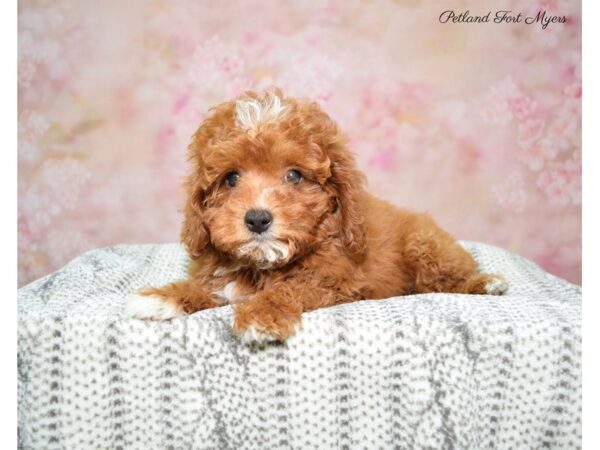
<point x="264" y="251"/>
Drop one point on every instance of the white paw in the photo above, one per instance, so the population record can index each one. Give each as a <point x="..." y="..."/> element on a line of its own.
<point x="152" y="308"/>
<point x="497" y="286"/>
<point x="254" y="336"/>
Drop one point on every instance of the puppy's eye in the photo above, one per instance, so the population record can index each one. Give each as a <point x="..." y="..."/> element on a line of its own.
<point x="293" y="176"/>
<point x="232" y="178"/>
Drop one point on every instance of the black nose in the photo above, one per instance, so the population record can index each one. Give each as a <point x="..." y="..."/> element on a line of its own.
<point x="258" y="220"/>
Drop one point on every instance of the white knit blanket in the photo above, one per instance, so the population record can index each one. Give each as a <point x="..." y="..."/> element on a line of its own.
<point x="433" y="371"/>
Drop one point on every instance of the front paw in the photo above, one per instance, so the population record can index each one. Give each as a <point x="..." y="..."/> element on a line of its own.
<point x="259" y="322"/>
<point x="497" y="285"/>
<point x="150" y="308"/>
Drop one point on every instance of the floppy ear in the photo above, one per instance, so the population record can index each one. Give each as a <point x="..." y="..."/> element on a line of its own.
<point x="347" y="182"/>
<point x="193" y="232"/>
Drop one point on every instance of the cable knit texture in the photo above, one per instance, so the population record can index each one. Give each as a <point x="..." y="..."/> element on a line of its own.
<point x="424" y="371"/>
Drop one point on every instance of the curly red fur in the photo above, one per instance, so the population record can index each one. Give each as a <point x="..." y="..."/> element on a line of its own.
<point x="330" y="241"/>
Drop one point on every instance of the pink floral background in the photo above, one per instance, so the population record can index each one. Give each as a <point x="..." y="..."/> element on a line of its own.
<point x="479" y="124"/>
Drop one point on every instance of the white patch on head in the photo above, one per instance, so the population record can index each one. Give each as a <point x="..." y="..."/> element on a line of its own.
<point x="265" y="251"/>
<point x="496" y="286"/>
<point x="252" y="112"/>
<point x="151" y="308"/>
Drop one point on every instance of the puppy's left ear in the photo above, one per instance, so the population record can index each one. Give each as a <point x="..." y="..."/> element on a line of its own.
<point x="348" y="182"/>
<point x="342" y="179"/>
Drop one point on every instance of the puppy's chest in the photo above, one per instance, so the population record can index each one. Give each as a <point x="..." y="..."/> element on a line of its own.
<point x="231" y="289"/>
<point x="236" y="285"/>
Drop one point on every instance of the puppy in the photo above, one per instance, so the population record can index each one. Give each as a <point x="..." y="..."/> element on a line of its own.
<point x="277" y="222"/>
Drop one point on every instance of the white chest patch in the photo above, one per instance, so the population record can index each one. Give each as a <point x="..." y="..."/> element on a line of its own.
<point x="227" y="294"/>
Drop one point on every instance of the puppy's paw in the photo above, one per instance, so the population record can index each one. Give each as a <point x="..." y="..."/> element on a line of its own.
<point x="150" y="308"/>
<point x="496" y="286"/>
<point x="252" y="335"/>
<point x="258" y="325"/>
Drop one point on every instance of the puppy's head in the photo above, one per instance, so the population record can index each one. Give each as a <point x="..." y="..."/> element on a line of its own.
<point x="271" y="180"/>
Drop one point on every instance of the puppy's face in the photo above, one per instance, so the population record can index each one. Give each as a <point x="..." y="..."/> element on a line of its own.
<point x="267" y="201"/>
<point x="264" y="190"/>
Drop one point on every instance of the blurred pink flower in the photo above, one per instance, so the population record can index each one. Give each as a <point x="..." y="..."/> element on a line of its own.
<point x="453" y="115"/>
<point x="536" y="155"/>
<point x="573" y="90"/>
<point x="56" y="188"/>
<point x="529" y="132"/>
<point x="26" y="73"/>
<point x="505" y="101"/>
<point x="565" y="128"/>
<point x="384" y="159"/>
<point x="308" y="72"/>
<point x="511" y="193"/>
<point x="522" y="106"/>
<point x="215" y="63"/>
<point x="561" y="182"/>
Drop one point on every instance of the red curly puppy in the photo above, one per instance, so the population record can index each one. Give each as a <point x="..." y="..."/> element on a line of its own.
<point x="277" y="223"/>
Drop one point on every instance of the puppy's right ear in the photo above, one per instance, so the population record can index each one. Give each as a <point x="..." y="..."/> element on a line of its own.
<point x="193" y="232"/>
<point x="214" y="127"/>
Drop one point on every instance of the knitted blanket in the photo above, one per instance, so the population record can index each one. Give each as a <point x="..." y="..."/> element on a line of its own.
<point x="434" y="371"/>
